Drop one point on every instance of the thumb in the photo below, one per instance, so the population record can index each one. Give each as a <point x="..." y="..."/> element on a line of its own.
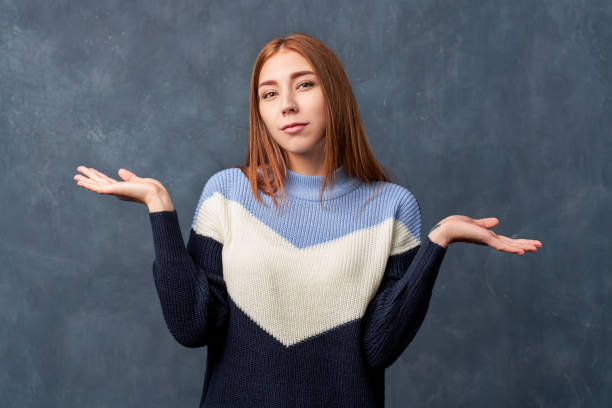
<point x="126" y="175"/>
<point x="487" y="222"/>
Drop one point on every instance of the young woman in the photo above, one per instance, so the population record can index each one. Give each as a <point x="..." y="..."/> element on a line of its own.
<point x="304" y="301"/>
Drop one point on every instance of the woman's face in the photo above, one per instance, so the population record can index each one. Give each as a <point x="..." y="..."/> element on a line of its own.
<point x="289" y="91"/>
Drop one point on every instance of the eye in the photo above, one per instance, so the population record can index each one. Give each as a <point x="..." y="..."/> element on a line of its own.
<point x="310" y="83"/>
<point x="307" y="83"/>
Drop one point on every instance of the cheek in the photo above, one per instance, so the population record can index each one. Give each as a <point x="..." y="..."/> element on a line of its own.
<point x="265" y="115"/>
<point x="316" y="105"/>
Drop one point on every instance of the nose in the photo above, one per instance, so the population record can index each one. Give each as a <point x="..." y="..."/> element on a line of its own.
<point x="289" y="105"/>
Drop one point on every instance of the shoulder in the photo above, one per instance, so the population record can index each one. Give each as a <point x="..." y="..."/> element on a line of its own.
<point x="408" y="208"/>
<point x="222" y="182"/>
<point x="405" y="207"/>
<point x="208" y="218"/>
<point x="401" y="199"/>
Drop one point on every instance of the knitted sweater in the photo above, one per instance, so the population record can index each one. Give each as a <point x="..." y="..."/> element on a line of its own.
<point x="304" y="306"/>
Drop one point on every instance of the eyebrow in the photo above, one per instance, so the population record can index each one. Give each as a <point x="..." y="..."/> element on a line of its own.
<point x="293" y="76"/>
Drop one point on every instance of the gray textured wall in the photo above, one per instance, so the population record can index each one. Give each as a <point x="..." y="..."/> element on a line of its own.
<point x="479" y="107"/>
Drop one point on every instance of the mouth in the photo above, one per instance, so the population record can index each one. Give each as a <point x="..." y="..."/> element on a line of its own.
<point x="294" y="128"/>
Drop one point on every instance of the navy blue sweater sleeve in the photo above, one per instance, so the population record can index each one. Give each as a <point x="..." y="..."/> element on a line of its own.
<point x="396" y="312"/>
<point x="188" y="281"/>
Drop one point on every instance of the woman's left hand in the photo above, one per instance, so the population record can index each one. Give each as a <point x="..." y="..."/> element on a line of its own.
<point x="459" y="228"/>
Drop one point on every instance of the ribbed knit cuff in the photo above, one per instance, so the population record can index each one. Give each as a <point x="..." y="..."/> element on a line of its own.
<point x="167" y="236"/>
<point x="428" y="260"/>
<point x="439" y="249"/>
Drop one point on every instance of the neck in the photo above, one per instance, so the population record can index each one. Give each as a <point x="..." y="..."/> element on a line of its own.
<point x="308" y="187"/>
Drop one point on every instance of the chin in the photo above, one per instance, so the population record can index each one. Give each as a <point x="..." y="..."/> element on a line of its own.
<point x="298" y="144"/>
<point x="300" y="149"/>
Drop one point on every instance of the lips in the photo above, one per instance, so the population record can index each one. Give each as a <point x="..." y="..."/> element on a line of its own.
<point x="292" y="130"/>
<point x="293" y="124"/>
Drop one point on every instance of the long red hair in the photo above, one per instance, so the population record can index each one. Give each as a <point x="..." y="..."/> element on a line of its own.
<point x="345" y="138"/>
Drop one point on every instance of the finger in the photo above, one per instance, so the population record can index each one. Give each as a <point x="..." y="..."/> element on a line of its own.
<point x="530" y="248"/>
<point x="93" y="186"/>
<point x="127" y="175"/>
<point x="111" y="189"/>
<point x="90" y="173"/>
<point x="506" y="244"/>
<point x="487" y="222"/>
<point x="511" y="248"/>
<point x="505" y="238"/>
<point x="517" y="251"/>
<point x="529" y="242"/>
<point x="98" y="176"/>
<point x="78" y="177"/>
<point x="523" y="241"/>
<point x="84" y="170"/>
<point x="104" y="176"/>
<point x="525" y="244"/>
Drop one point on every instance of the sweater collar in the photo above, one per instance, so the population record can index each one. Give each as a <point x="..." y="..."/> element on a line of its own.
<point x="307" y="187"/>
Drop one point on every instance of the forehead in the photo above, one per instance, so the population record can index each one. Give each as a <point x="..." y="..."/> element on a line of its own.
<point x="282" y="64"/>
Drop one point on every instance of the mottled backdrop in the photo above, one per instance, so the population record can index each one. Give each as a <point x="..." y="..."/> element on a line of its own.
<point x="479" y="107"/>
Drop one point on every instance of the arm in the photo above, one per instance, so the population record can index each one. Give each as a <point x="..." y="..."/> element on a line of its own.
<point x="394" y="316"/>
<point x="189" y="281"/>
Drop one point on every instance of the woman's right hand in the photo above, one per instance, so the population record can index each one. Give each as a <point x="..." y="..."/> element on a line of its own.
<point x="147" y="191"/>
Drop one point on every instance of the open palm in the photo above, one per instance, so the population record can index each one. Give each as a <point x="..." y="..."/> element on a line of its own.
<point x="465" y="229"/>
<point x="133" y="188"/>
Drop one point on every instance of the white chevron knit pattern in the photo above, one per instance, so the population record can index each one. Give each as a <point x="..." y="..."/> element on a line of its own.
<point x="296" y="293"/>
